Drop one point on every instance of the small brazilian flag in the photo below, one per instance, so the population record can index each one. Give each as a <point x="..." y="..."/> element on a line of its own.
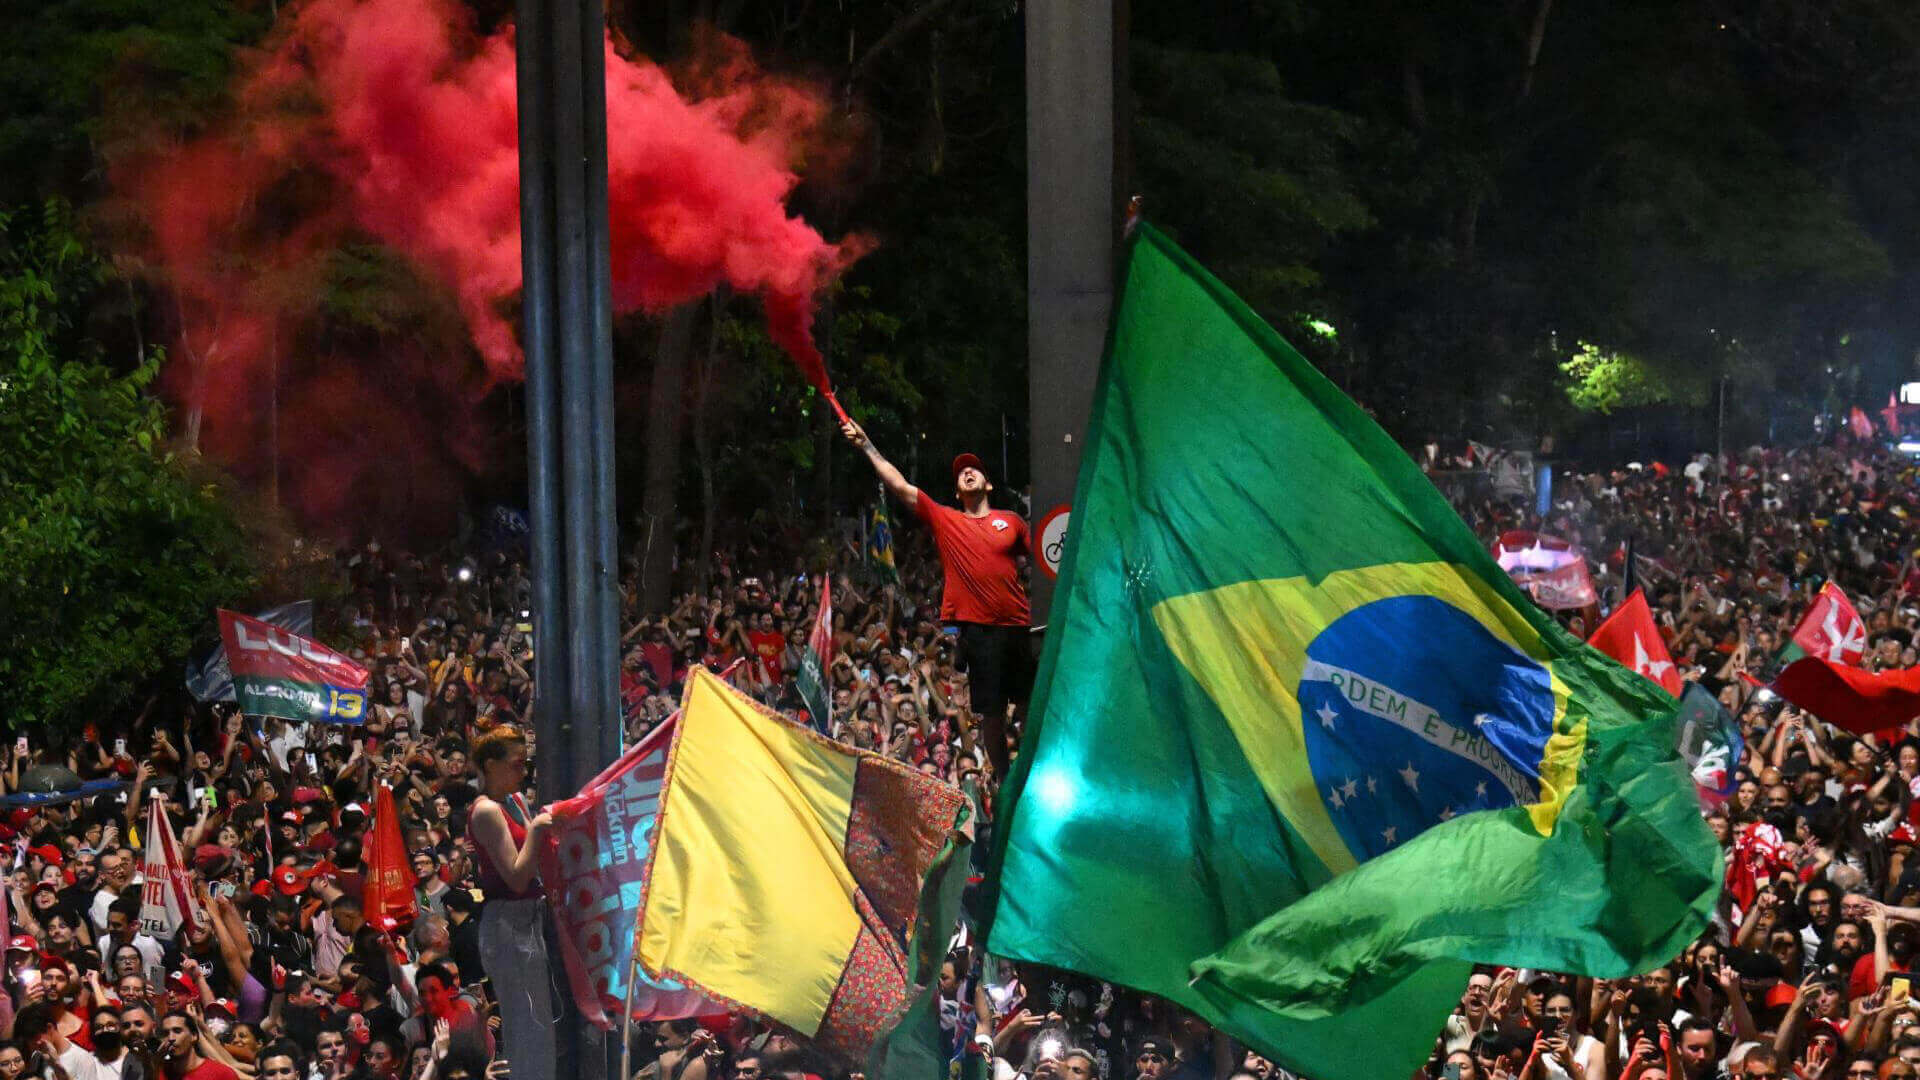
<point x="1301" y="753"/>
<point x="879" y="546"/>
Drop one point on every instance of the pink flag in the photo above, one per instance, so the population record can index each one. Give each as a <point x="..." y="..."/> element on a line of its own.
<point x="592" y="862"/>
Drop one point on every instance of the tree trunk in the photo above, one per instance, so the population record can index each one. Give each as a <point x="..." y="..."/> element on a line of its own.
<point x="1535" y="38"/>
<point x="665" y="417"/>
<point x="703" y="438"/>
<point x="1414" y="91"/>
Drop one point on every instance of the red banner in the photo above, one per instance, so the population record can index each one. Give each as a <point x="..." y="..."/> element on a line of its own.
<point x="277" y="672"/>
<point x="389" y="891"/>
<point x="592" y="861"/>
<point x="1558" y="590"/>
<point x="1865" y="703"/>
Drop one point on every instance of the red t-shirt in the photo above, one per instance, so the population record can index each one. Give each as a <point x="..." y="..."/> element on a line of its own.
<point x="209" y="1069"/>
<point x="977" y="555"/>
<point x="769" y="644"/>
<point x="1860" y="981"/>
<point x="659" y="656"/>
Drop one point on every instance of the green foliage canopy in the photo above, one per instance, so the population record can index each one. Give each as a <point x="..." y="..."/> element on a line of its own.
<point x="112" y="553"/>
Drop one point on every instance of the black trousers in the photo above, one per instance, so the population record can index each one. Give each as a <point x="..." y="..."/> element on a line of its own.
<point x="999" y="664"/>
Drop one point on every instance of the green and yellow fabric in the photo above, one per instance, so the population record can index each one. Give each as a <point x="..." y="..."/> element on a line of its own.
<point x="1300" y="752"/>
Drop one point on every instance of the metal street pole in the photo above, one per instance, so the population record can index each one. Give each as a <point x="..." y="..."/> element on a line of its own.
<point x="1075" y="54"/>
<point x="567" y="334"/>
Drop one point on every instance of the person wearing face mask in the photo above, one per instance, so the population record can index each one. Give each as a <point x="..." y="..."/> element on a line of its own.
<point x="111" y="1058"/>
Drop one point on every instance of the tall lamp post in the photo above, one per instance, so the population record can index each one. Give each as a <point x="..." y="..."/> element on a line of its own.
<point x="567" y="333"/>
<point x="1076" y="54"/>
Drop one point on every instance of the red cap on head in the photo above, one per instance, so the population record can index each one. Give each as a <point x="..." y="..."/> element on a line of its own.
<point x="290" y="880"/>
<point x="967" y="461"/>
<point x="48" y="853"/>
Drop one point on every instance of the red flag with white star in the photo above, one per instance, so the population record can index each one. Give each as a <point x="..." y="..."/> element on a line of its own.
<point x="1630" y="636"/>
<point x="1832" y="630"/>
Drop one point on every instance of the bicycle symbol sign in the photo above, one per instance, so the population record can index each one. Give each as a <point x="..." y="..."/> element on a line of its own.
<point x="1051" y="539"/>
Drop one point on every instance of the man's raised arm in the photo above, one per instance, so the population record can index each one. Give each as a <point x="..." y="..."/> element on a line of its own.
<point x="890" y="477"/>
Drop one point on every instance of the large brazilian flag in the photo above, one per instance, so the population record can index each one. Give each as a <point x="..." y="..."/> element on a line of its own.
<point x="1300" y="753"/>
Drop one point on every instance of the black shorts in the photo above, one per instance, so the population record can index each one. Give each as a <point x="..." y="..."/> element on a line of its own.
<point x="999" y="664"/>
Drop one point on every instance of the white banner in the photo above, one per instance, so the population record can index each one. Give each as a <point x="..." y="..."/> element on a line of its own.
<point x="166" y="898"/>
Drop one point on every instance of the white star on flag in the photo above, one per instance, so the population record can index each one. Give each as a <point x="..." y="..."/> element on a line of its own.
<point x="1446" y="813"/>
<point x="1842" y="640"/>
<point x="1352" y="787"/>
<point x="1480" y="789"/>
<point x="1411" y="776"/>
<point x="1645" y="664"/>
<point x="1373" y="786"/>
<point x="1387" y="834"/>
<point x="1326" y="713"/>
<point x="1335" y="798"/>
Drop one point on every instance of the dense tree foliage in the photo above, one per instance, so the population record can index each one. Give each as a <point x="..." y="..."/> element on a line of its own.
<point x="112" y="551"/>
<point x="1501" y="220"/>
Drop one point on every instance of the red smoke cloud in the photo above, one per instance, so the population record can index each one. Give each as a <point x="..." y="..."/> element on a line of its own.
<point x="394" y="119"/>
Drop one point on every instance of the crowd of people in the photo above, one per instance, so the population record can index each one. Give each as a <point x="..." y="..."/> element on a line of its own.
<point x="288" y="978"/>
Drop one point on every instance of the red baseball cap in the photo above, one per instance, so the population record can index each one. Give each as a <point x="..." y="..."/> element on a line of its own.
<point x="23" y="943"/>
<point x="290" y="881"/>
<point x="967" y="461"/>
<point x="211" y="859"/>
<point x="48" y="853"/>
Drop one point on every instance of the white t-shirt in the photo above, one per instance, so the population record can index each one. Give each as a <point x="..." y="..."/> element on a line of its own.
<point x="152" y="953"/>
<point x="110" y="1071"/>
<point x="1586" y="1052"/>
<point x="78" y="1063"/>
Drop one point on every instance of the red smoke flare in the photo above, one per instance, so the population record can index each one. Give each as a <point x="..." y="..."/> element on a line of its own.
<point x="394" y="119"/>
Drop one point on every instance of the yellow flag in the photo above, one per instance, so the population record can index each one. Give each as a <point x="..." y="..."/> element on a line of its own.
<point x="785" y="869"/>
